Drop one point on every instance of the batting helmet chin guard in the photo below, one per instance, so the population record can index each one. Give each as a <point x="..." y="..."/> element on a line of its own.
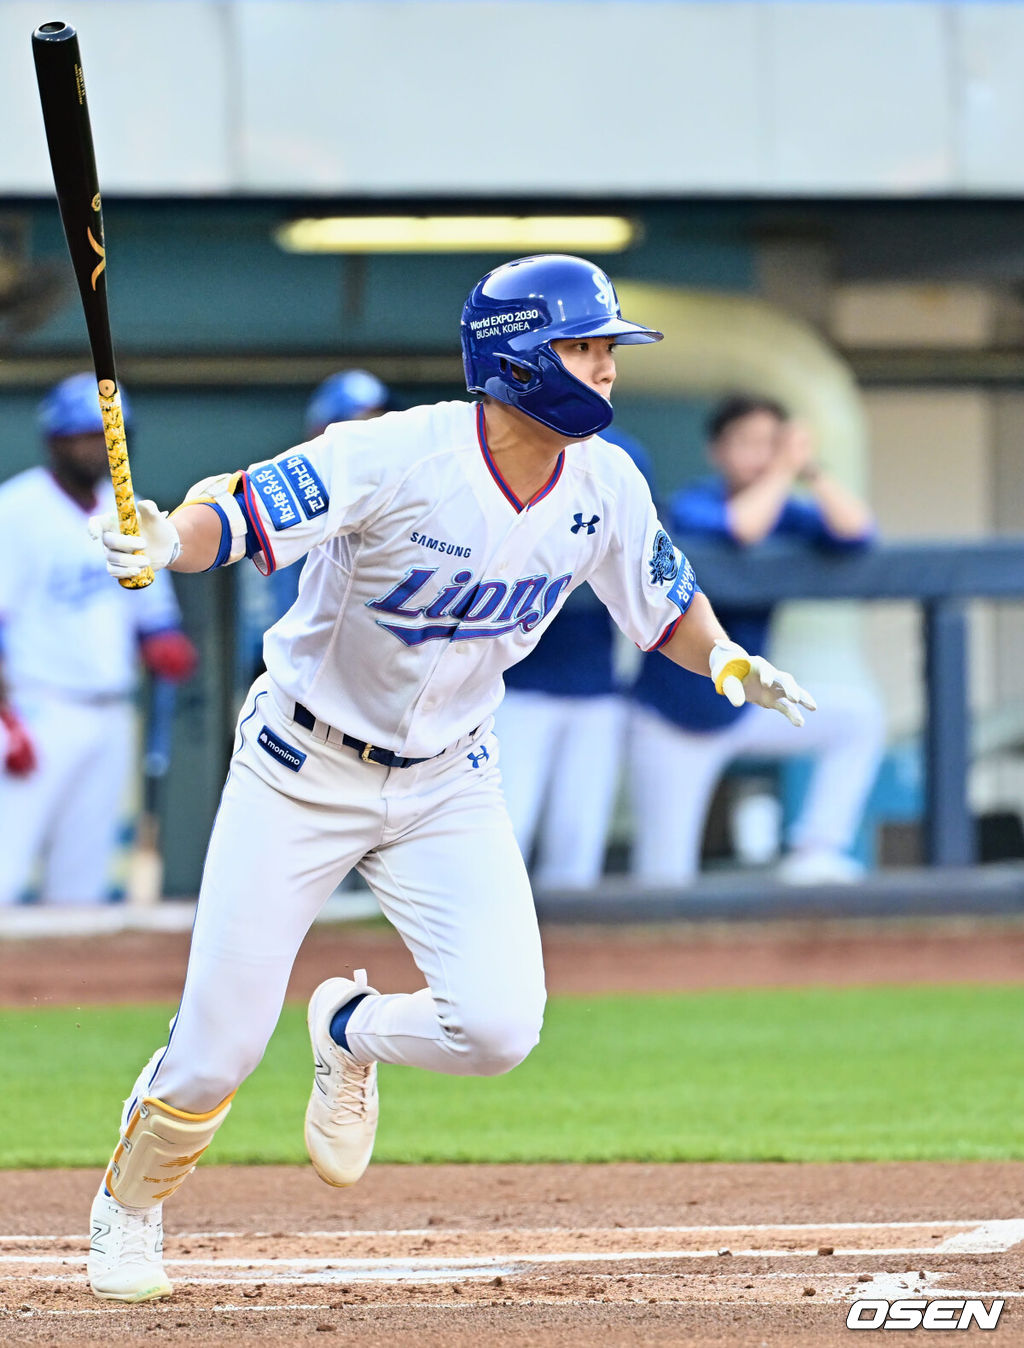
<point x="509" y="322"/>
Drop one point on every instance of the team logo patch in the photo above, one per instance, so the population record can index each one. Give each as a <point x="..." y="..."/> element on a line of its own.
<point x="306" y="484"/>
<point x="664" y="563"/>
<point x="277" y="748"/>
<point x="683" y="589"/>
<point x="276" y="495"/>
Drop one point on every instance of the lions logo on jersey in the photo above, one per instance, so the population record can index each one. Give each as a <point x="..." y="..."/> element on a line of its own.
<point x="664" y="563"/>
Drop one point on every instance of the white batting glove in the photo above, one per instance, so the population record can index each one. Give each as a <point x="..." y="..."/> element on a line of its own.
<point x="158" y="540"/>
<point x="751" y="678"/>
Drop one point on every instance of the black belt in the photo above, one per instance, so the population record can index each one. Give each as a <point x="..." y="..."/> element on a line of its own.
<point x="369" y="753"/>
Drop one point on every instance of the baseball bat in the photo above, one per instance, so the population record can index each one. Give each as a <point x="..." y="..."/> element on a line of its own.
<point x="69" y="138"/>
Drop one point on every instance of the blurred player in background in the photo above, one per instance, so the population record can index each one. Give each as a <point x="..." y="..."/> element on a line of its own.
<point x="682" y="736"/>
<point x="562" y="727"/>
<point x="69" y="649"/>
<point x="440" y="542"/>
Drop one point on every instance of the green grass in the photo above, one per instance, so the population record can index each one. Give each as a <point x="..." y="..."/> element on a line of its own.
<point x="852" y="1074"/>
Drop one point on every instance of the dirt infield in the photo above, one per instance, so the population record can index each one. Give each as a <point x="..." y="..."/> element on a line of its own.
<point x="142" y="967"/>
<point x="470" y="1256"/>
<point x="459" y="1257"/>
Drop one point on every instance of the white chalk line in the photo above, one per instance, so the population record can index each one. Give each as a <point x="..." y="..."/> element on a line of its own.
<point x="384" y="1265"/>
<point x="438" y="1231"/>
<point x="991" y="1236"/>
<point x="337" y="1268"/>
<point x="986" y="1238"/>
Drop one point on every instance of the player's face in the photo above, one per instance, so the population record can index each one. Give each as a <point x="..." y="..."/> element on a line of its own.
<point x="747" y="448"/>
<point x="590" y="359"/>
<point x="82" y="457"/>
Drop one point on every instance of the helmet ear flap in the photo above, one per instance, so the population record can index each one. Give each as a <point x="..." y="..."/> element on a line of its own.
<point x="524" y="375"/>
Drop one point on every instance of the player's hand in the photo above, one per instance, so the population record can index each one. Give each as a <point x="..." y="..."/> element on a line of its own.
<point x="751" y="678"/>
<point x="19" y="753"/>
<point x="795" y="448"/>
<point x="157" y="545"/>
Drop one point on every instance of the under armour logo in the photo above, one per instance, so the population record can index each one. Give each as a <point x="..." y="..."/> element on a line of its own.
<point x="581" y="523"/>
<point x="477" y="759"/>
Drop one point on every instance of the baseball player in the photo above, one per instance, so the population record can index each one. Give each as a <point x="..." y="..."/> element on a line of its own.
<point x="562" y="727"/>
<point x="69" y="649"/>
<point x="439" y="545"/>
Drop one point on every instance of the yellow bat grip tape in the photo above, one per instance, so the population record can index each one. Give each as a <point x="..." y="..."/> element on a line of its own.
<point x="121" y="474"/>
<point x="741" y="668"/>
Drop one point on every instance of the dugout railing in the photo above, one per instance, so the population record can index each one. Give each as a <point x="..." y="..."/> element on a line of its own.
<point x="940" y="578"/>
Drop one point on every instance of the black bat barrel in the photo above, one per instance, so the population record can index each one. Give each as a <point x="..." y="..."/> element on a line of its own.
<point x="69" y="137"/>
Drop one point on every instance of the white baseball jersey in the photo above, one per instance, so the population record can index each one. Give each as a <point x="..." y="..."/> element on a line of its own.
<point x="427" y="577"/>
<point x="64" y="625"/>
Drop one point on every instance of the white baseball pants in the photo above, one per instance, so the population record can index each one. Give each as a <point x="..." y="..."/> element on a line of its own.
<point x="434" y="843"/>
<point x="66" y="815"/>
<point x="560" y="763"/>
<point x="673" y="774"/>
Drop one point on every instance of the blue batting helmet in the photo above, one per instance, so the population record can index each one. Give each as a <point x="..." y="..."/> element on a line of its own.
<point x="72" y="407"/>
<point x="343" y="397"/>
<point x="509" y="322"/>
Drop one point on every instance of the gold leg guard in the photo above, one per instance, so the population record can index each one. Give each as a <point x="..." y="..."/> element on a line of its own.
<point x="158" y="1150"/>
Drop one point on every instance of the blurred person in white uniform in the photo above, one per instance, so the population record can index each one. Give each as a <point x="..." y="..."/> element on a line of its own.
<point x="70" y="644"/>
<point x="681" y="736"/>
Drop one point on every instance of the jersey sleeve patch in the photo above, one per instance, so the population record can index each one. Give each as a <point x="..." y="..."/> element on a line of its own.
<point x="664" y="559"/>
<point x="306" y="484"/>
<point x="275" y="495"/>
<point x="684" y="587"/>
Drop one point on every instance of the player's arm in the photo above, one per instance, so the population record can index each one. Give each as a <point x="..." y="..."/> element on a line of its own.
<point x="17" y="751"/>
<point x="208" y="529"/>
<point x="699" y="643"/>
<point x="753" y="512"/>
<point x="695" y="634"/>
<point x="845" y="515"/>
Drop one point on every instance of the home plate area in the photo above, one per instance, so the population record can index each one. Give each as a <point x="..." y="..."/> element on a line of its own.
<point x="260" y="1271"/>
<point x="509" y="1274"/>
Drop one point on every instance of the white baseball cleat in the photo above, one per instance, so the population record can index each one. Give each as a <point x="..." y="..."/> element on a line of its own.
<point x="341" y="1118"/>
<point x="126" y="1251"/>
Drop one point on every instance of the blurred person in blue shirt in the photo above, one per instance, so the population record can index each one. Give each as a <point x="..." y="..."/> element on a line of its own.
<point x="683" y="735"/>
<point x="562" y="727"/>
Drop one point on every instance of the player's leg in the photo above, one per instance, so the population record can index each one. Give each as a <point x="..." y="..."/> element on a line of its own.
<point x="451" y="880"/>
<point x="275" y="855"/>
<point x="527" y="725"/>
<point x="672" y="774"/>
<point x="83" y="839"/>
<point x="584" y="780"/>
<point x="450" y="877"/>
<point x="846" y="736"/>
